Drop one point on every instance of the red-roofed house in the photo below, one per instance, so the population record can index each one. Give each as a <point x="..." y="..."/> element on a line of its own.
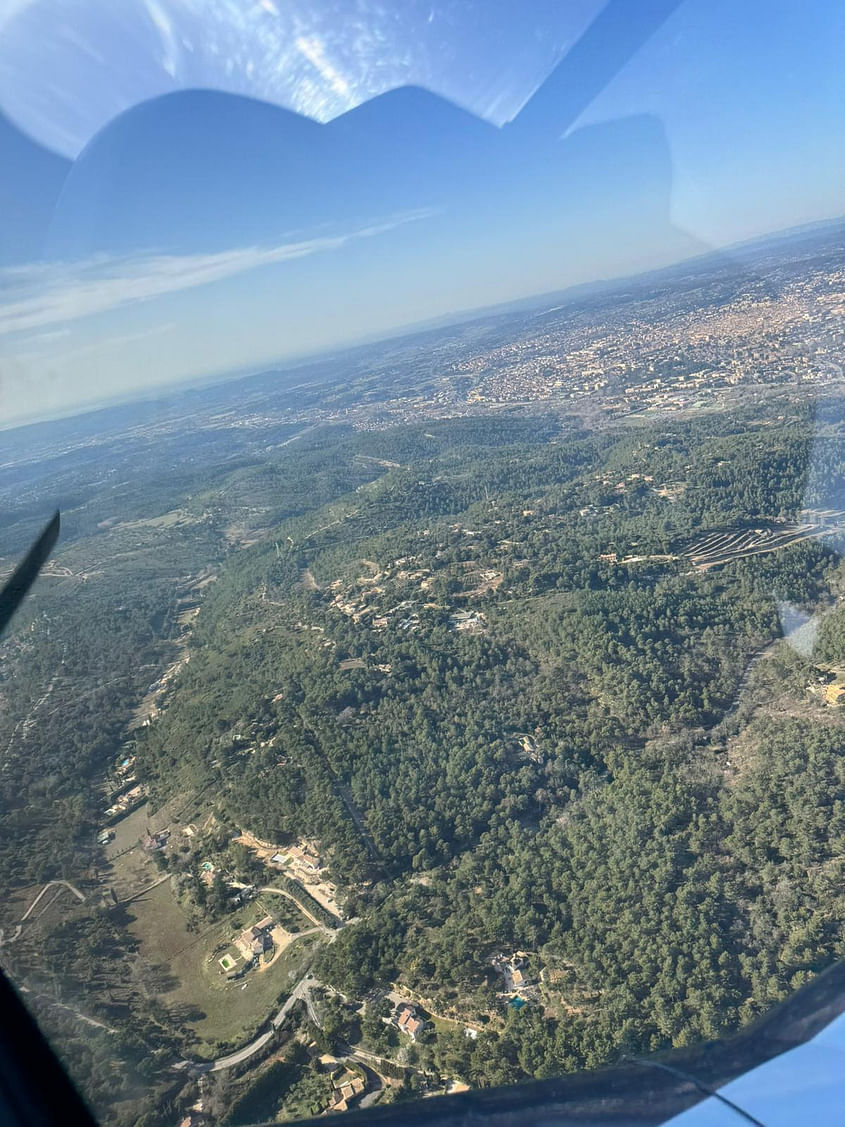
<point x="408" y="1020"/>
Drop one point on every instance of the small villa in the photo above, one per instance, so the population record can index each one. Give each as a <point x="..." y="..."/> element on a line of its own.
<point x="254" y="941"/>
<point x="408" y="1020"/>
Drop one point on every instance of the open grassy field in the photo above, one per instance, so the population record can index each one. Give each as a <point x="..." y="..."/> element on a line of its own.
<point x="444" y="1024"/>
<point x="130" y="867"/>
<point x="128" y="832"/>
<point x="219" y="1014"/>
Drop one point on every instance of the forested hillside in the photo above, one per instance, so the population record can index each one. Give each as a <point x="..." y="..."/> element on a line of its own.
<point x="485" y="668"/>
<point x="493" y="686"/>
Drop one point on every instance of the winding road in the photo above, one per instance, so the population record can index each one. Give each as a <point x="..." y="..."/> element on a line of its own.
<point x="242" y="1054"/>
<point x="59" y="884"/>
<point x="300" y="992"/>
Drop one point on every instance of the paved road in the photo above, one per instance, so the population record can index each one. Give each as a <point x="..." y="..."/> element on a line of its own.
<point x="375" y="1085"/>
<point x="195" y="1066"/>
<point x="300" y="992"/>
<point x="242" y="1054"/>
<point x="293" y="998"/>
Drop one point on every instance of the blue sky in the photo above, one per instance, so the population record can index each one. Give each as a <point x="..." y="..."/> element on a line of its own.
<point x="152" y="235"/>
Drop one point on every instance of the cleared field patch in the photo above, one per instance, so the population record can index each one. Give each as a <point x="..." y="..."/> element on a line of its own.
<point x="445" y="1024"/>
<point x="131" y="868"/>
<point x="128" y="832"/>
<point x="833" y="693"/>
<point x="218" y="1013"/>
<point x="173" y="519"/>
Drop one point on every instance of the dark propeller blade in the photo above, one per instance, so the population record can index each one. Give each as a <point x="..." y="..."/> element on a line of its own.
<point x="24" y="575"/>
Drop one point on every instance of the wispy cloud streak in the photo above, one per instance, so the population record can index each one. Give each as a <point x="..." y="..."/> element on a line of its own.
<point x="311" y="47"/>
<point x="42" y="296"/>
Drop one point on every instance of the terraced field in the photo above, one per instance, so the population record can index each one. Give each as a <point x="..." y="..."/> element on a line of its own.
<point x="717" y="548"/>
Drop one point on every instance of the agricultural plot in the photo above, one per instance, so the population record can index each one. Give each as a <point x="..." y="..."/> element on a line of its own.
<point x="187" y="969"/>
<point x="717" y="548"/>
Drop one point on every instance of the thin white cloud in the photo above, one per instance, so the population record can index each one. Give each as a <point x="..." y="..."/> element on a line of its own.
<point x="311" y="47"/>
<point x="42" y="296"/>
<point x="41" y="348"/>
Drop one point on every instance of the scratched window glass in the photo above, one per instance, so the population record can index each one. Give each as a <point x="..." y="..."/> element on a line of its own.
<point x="437" y="681"/>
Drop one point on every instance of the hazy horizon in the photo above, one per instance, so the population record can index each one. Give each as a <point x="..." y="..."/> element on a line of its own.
<point x="445" y="321"/>
<point x="156" y="234"/>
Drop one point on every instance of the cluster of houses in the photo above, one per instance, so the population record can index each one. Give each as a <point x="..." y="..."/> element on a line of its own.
<point x="127" y="801"/>
<point x="347" y="1085"/>
<point x="301" y="857"/>
<point x="467" y="622"/>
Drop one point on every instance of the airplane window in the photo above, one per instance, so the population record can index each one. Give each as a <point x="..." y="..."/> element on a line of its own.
<point x="438" y="682"/>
